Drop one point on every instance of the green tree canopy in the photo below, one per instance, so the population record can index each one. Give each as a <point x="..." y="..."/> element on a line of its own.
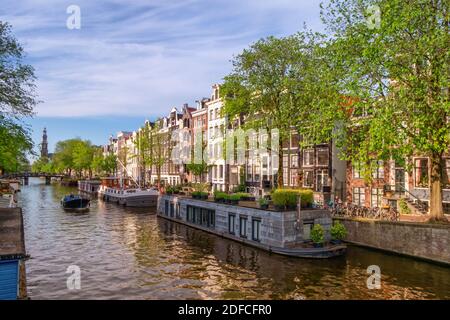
<point x="396" y="68"/>
<point x="17" y="99"/>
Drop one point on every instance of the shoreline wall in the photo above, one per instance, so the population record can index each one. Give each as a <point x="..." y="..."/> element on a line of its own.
<point x="420" y="240"/>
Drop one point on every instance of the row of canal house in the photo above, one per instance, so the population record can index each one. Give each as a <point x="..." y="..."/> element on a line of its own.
<point x="317" y="167"/>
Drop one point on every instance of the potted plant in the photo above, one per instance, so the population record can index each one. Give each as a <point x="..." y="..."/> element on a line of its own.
<point x="203" y="195"/>
<point x="234" y="199"/>
<point x="195" y="195"/>
<point x="219" y="196"/>
<point x="317" y="236"/>
<point x="279" y="200"/>
<point x="263" y="203"/>
<point x="338" y="232"/>
<point x="169" y="190"/>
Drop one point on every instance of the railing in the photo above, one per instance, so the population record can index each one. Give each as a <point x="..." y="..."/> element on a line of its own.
<point x="423" y="206"/>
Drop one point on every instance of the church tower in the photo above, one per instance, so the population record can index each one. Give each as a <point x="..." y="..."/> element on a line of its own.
<point x="44" y="145"/>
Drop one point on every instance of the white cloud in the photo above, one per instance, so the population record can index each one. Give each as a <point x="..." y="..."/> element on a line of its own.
<point x="141" y="58"/>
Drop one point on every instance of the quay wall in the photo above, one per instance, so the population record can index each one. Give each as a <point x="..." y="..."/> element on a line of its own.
<point x="420" y="240"/>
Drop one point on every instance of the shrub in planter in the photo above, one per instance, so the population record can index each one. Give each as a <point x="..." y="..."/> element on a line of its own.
<point x="234" y="199"/>
<point x="203" y="195"/>
<point x="318" y="235"/>
<point x="263" y="203"/>
<point x="279" y="199"/>
<point x="291" y="199"/>
<point x="246" y="196"/>
<point x="219" y="196"/>
<point x="196" y="195"/>
<point x="169" y="190"/>
<point x="307" y="197"/>
<point x="338" y="232"/>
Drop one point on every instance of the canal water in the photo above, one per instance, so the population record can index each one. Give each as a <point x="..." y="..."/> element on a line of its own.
<point x="128" y="253"/>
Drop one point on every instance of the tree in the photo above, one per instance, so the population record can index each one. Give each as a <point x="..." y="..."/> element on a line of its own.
<point x="17" y="99"/>
<point x="397" y="76"/>
<point x="274" y="84"/>
<point x="144" y="145"/>
<point x="73" y="155"/>
<point x="15" y="143"/>
<point x="161" y="149"/>
<point x="83" y="154"/>
<point x="110" y="164"/>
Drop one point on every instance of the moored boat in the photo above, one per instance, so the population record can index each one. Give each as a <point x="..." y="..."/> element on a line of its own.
<point x="121" y="193"/>
<point x="75" y="202"/>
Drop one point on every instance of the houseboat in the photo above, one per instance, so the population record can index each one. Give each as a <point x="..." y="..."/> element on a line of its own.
<point x="89" y="186"/>
<point x="12" y="255"/>
<point x="285" y="233"/>
<point x="119" y="191"/>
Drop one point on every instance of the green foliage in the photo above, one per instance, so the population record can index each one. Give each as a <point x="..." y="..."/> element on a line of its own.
<point x="289" y="197"/>
<point x="263" y="202"/>
<point x="200" y="187"/>
<point x="338" y="231"/>
<point x="404" y="209"/>
<point x="274" y="84"/>
<point x="396" y="80"/>
<point x="318" y="234"/>
<point x="234" y="197"/>
<point x="17" y="99"/>
<point x="218" y="195"/>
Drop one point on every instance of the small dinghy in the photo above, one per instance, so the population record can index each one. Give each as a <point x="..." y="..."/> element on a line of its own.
<point x="75" y="203"/>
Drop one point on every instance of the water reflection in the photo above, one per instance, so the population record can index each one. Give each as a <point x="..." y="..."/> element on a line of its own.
<point x="129" y="253"/>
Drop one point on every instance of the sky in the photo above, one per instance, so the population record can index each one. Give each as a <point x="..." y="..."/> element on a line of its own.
<point x="135" y="60"/>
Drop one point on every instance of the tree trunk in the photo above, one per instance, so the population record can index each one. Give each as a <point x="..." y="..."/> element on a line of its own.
<point x="436" y="208"/>
<point x="280" y="180"/>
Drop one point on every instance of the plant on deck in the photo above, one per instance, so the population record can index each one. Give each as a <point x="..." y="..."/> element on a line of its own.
<point x="338" y="231"/>
<point x="318" y="234"/>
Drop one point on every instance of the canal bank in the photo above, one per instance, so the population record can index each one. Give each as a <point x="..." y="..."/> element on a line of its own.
<point x="12" y="255"/>
<point x="130" y="253"/>
<point x="419" y="240"/>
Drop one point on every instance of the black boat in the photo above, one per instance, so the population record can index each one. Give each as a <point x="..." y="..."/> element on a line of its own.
<point x="75" y="202"/>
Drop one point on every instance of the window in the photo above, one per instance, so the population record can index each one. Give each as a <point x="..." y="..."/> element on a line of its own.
<point x="308" y="179"/>
<point x="178" y="211"/>
<point x="294" y="178"/>
<point x="249" y="172"/>
<point x="172" y="209"/>
<point x="356" y="170"/>
<point x="378" y="170"/>
<point x="285" y="161"/>
<point x="221" y="172"/>
<point x="322" y="157"/>
<point x="376" y="196"/>
<point x="231" y="223"/>
<point x="421" y="173"/>
<point x="203" y="217"/>
<point x="243" y="227"/>
<point x="359" y="196"/>
<point x="256" y="229"/>
<point x="211" y="115"/>
<point x="322" y="179"/>
<point x="294" y="161"/>
<point x="446" y="174"/>
<point x="308" y="158"/>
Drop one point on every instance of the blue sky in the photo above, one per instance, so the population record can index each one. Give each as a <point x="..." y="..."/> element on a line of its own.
<point x="135" y="60"/>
